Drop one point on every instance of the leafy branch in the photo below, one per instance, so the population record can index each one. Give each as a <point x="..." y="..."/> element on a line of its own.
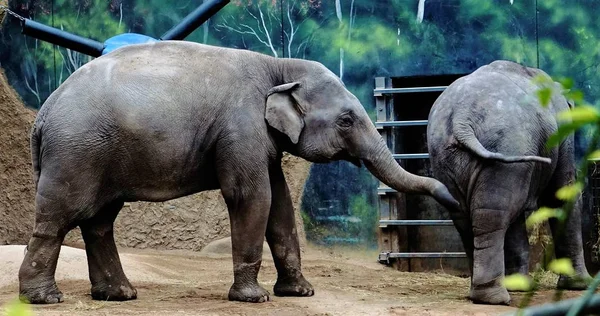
<point x="570" y="120"/>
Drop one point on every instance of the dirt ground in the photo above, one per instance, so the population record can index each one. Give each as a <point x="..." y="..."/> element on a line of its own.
<point x="178" y="282"/>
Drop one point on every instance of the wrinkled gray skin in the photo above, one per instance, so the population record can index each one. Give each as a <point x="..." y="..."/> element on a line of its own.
<point x="486" y="137"/>
<point x="158" y="121"/>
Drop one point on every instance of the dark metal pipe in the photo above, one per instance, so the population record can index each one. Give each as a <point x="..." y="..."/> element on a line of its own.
<point x="193" y="20"/>
<point x="62" y="38"/>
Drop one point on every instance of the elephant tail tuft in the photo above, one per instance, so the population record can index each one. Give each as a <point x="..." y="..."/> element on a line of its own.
<point x="466" y="136"/>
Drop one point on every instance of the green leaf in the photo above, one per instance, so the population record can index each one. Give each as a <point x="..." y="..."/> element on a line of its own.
<point x="564" y="130"/>
<point x="562" y="266"/>
<point x="542" y="80"/>
<point x="569" y="192"/>
<point x="567" y="83"/>
<point x="581" y="114"/>
<point x="595" y="155"/>
<point x="517" y="282"/>
<point x="542" y="215"/>
<point x="544" y="95"/>
<point x="575" y="95"/>
<point x="17" y="308"/>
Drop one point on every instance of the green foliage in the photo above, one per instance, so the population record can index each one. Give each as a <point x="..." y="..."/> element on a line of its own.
<point x="517" y="282"/>
<point x="580" y="115"/>
<point x="17" y="308"/>
<point x="368" y="215"/>
<point x="562" y="266"/>
<point x="574" y="119"/>
<point x="542" y="215"/>
<point x="99" y="23"/>
<point x="569" y="192"/>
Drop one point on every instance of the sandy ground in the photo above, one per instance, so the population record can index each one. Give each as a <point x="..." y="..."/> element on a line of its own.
<point x="190" y="283"/>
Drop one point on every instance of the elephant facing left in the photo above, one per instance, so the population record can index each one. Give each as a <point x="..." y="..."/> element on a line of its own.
<point x="153" y="122"/>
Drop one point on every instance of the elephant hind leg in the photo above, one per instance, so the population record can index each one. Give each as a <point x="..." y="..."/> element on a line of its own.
<point x="516" y="248"/>
<point x="568" y="240"/>
<point x="106" y="273"/>
<point x="489" y="230"/>
<point x="37" y="284"/>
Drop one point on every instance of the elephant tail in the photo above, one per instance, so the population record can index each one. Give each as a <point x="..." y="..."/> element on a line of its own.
<point x="466" y="137"/>
<point x="35" y="150"/>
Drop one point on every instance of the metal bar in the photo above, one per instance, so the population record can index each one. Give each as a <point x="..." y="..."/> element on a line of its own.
<point x="379" y="91"/>
<point x="384" y="189"/>
<point x="401" y="123"/>
<point x="411" y="156"/>
<point x="417" y="222"/>
<point x="390" y="255"/>
<point x="62" y="38"/>
<point x="193" y="20"/>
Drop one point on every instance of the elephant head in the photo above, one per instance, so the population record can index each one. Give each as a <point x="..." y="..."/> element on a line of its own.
<point x="325" y="122"/>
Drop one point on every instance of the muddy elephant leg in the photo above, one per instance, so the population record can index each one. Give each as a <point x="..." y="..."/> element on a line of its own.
<point x="247" y="193"/>
<point x="283" y="239"/>
<point x="37" y="284"/>
<point x="516" y="248"/>
<point x="109" y="282"/>
<point x="489" y="229"/>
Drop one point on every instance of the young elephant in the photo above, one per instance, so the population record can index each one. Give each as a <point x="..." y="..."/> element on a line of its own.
<point x="486" y="137"/>
<point x="154" y="122"/>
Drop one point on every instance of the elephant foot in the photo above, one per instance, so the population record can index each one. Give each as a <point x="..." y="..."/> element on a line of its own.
<point x="577" y="283"/>
<point x="50" y="295"/>
<point x="496" y="295"/>
<point x="253" y="293"/>
<point x="293" y="287"/>
<point x="109" y="292"/>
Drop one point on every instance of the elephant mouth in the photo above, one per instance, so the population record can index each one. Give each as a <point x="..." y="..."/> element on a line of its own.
<point x="344" y="155"/>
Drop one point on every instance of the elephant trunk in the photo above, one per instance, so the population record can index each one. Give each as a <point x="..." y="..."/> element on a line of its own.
<point x="382" y="165"/>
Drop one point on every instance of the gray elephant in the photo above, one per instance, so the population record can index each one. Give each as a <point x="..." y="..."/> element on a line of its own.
<point x="158" y="121"/>
<point x="486" y="137"/>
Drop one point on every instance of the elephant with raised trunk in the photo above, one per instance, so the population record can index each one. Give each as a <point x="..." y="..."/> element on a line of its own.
<point x="486" y="137"/>
<point x="154" y="122"/>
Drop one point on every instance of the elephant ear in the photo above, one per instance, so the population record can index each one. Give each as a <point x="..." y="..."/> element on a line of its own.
<point x="283" y="112"/>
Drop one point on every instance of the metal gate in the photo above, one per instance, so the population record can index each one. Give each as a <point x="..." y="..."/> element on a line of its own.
<point x="393" y="223"/>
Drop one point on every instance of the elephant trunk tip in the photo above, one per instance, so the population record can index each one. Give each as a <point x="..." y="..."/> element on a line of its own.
<point x="443" y="196"/>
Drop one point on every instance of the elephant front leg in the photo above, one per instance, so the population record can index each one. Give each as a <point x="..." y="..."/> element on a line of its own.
<point x="248" y="202"/>
<point x="282" y="237"/>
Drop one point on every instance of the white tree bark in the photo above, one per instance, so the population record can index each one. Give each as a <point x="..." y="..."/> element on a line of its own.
<point x="420" y="11"/>
<point x="205" y="28"/>
<point x="338" y="12"/>
<point x="262" y="29"/>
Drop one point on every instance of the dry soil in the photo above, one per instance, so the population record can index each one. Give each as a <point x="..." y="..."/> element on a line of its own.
<point x="182" y="282"/>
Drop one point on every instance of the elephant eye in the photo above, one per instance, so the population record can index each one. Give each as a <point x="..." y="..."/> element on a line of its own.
<point x="345" y="120"/>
